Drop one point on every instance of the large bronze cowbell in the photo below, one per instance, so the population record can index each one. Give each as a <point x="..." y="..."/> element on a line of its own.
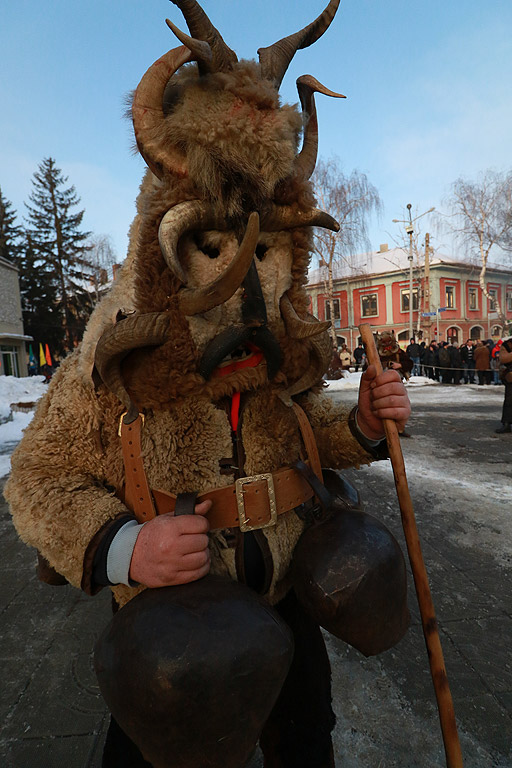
<point x="349" y="574"/>
<point x="191" y="672"/>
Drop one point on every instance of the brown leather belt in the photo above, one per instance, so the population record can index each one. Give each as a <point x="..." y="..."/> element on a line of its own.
<point x="251" y="503"/>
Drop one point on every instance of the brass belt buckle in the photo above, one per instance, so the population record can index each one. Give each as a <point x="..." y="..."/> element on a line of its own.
<point x="245" y="524"/>
<point x="121" y="422"/>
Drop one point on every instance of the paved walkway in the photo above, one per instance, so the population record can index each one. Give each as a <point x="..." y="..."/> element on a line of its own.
<point x="53" y="717"/>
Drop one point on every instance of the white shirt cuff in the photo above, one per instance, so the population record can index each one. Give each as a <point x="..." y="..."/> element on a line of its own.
<point x="120" y="553"/>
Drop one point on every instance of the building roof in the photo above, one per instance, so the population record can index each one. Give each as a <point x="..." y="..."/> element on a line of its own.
<point x="391" y="260"/>
<point x="8" y="264"/>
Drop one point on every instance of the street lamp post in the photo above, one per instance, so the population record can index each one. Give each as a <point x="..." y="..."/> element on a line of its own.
<point x="409" y="228"/>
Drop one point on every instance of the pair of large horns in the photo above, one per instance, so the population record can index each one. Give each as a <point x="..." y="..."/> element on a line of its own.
<point x="209" y="49"/>
<point x="275" y="59"/>
<point x="206" y="46"/>
<point x="198" y="215"/>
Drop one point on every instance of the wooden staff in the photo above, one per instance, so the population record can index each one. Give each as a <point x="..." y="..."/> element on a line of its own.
<point x="426" y="605"/>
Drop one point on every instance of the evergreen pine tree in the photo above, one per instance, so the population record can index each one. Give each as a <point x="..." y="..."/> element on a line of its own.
<point x="42" y="314"/>
<point x="58" y="248"/>
<point x="9" y="232"/>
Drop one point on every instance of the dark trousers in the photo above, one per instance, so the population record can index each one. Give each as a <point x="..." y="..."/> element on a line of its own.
<point x="484" y="377"/>
<point x="298" y="732"/>
<point x="506" y="414"/>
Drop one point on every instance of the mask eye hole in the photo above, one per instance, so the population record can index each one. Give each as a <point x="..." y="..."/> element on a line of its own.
<point x="209" y="250"/>
<point x="261" y="250"/>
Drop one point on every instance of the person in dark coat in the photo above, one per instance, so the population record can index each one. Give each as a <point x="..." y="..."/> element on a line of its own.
<point x="428" y="361"/>
<point x="413" y="352"/>
<point x="505" y="359"/>
<point x="435" y="350"/>
<point x="445" y="363"/>
<point x="455" y="362"/>
<point x="359" y="354"/>
<point x="468" y="361"/>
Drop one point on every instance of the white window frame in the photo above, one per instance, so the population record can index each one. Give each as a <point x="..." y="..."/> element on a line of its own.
<point x="473" y="291"/>
<point x="405" y="292"/>
<point x="365" y="296"/>
<point x="336" y="307"/>
<point x="449" y="290"/>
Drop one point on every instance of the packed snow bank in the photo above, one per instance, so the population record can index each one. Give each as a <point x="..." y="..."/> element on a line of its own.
<point x="13" y="390"/>
<point x="350" y="380"/>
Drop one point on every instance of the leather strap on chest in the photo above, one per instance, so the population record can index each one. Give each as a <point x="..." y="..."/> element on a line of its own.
<point x="251" y="503"/>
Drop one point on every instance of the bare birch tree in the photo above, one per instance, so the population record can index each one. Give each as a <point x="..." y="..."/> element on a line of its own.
<point x="102" y="257"/>
<point x="481" y="217"/>
<point x="351" y="199"/>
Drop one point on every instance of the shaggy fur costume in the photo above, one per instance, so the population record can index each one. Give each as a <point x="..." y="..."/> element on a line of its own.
<point x="237" y="151"/>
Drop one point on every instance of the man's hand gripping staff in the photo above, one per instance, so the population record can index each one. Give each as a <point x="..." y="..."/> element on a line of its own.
<point x="381" y="396"/>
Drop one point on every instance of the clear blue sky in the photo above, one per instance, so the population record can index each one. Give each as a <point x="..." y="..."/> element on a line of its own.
<point x="428" y="87"/>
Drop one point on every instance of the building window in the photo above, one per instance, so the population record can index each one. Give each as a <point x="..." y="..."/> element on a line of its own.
<point x="509" y="301"/>
<point x="369" y="307"/>
<point x="475" y="333"/>
<point x="452" y="334"/>
<point x="496" y="331"/>
<point x="9" y="360"/>
<point x="336" y="307"/>
<point x="449" y="297"/>
<point x="404" y="299"/>
<point x="473" y="297"/>
<point x="493" y="297"/>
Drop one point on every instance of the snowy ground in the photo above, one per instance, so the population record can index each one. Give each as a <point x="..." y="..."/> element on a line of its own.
<point x="12" y="423"/>
<point x="481" y="493"/>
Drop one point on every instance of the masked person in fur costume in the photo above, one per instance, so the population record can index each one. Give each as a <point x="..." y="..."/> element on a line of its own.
<point x="198" y="389"/>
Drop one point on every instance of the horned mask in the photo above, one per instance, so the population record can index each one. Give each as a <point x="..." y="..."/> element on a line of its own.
<point x="223" y="235"/>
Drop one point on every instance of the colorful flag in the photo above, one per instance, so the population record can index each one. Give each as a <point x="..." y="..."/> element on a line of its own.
<point x="48" y="356"/>
<point x="42" y="360"/>
<point x="31" y="356"/>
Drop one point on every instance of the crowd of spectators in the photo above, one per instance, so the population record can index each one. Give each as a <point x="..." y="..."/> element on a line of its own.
<point x="474" y="362"/>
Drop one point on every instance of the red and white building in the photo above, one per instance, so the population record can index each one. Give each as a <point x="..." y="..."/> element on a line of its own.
<point x="448" y="302"/>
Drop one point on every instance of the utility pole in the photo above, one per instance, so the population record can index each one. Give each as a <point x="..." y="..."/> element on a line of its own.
<point x="409" y="228"/>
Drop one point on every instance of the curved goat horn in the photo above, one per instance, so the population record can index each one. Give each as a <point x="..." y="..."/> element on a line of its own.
<point x="181" y="218"/>
<point x="274" y="59"/>
<point x="134" y="331"/>
<point x="295" y="326"/>
<point x="194" y="301"/>
<point x="201" y="50"/>
<point x="307" y="86"/>
<point x="286" y="217"/>
<point x="201" y="28"/>
<point x="148" y="115"/>
<point x="320" y="357"/>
